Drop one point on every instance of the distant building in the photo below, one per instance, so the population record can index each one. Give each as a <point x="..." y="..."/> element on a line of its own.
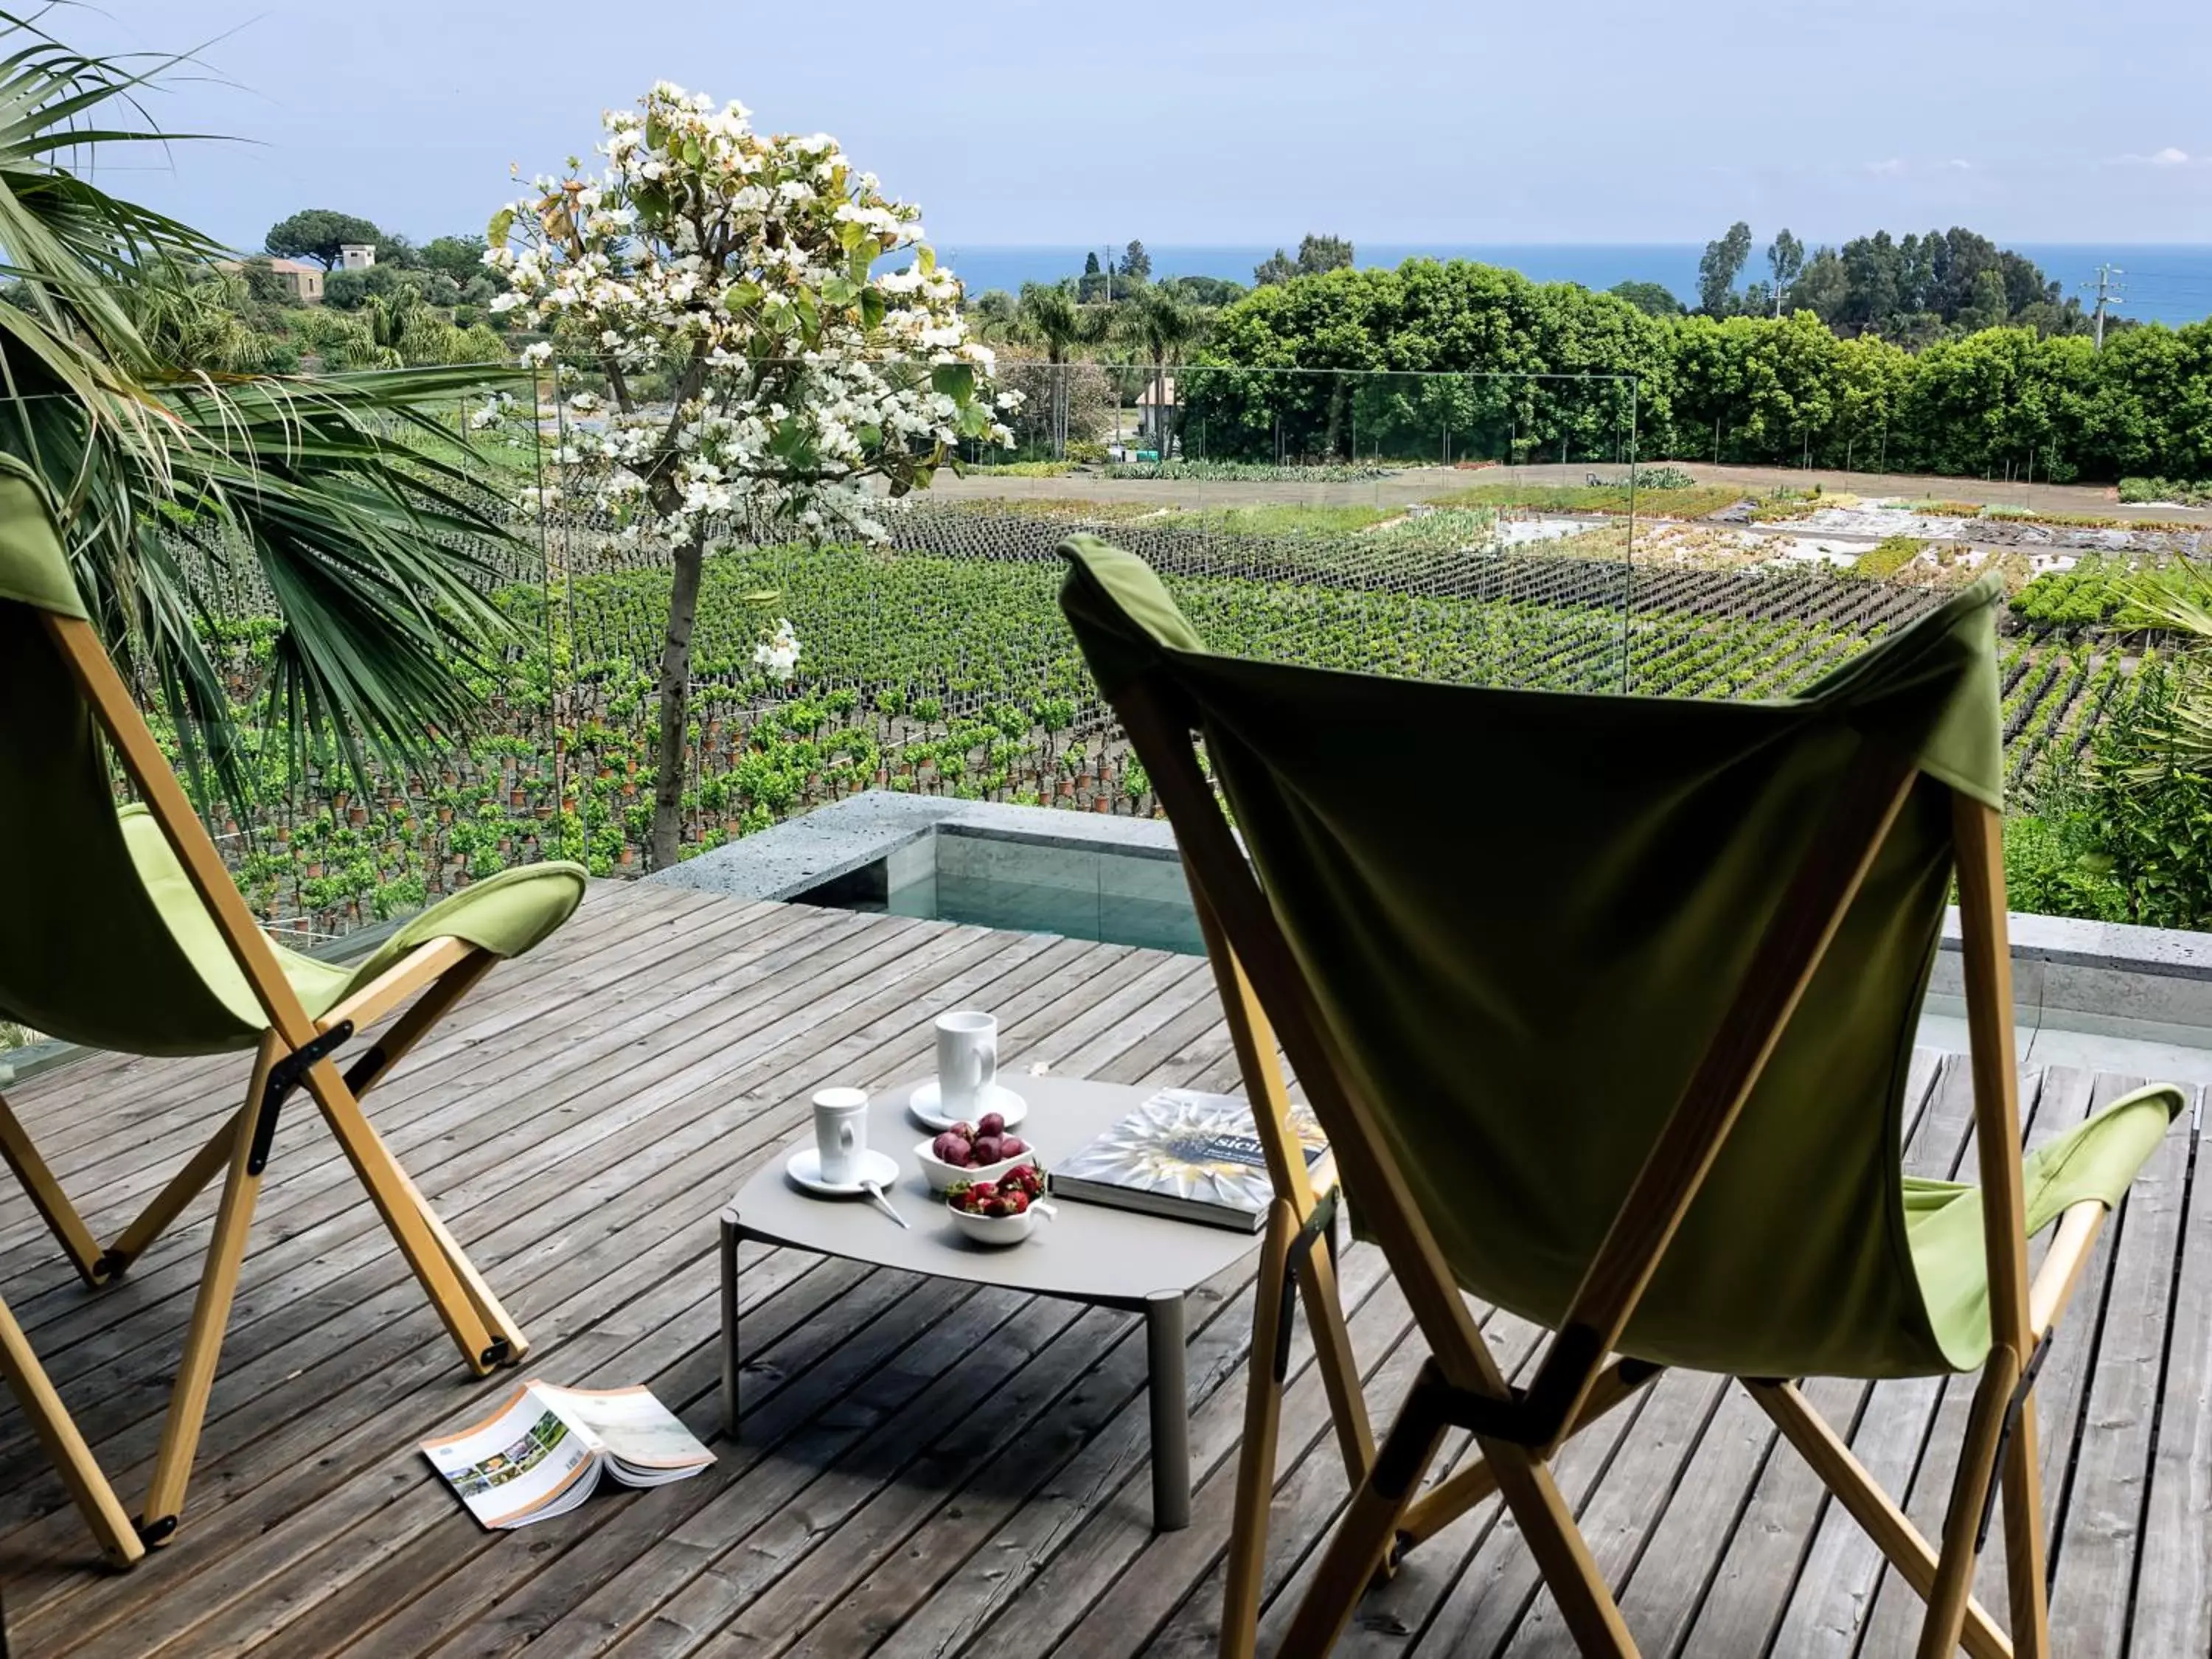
<point x="305" y="280"/>
<point x="1153" y="418"/>
<point x="357" y="256"/>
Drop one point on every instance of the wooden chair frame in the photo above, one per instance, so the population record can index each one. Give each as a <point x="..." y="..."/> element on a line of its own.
<point x="1518" y="1431"/>
<point x="295" y="1052"/>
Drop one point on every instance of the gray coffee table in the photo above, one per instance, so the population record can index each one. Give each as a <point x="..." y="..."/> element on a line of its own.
<point x="1103" y="1257"/>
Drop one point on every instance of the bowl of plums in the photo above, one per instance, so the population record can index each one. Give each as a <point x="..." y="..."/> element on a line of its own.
<point x="981" y="1151"/>
<point x="1003" y="1211"/>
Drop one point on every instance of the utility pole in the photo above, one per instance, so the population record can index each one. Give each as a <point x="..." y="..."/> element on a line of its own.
<point x="2107" y="295"/>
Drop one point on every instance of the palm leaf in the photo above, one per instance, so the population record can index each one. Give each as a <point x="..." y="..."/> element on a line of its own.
<point x="335" y="497"/>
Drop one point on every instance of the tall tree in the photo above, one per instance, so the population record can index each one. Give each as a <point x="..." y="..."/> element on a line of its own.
<point x="1162" y="327"/>
<point x="1136" y="263"/>
<point x="1277" y="267"/>
<point x="1320" y="253"/>
<point x="1090" y="262"/>
<point x="1785" y="257"/>
<point x="1652" y="299"/>
<point x="1717" y="271"/>
<point x="796" y="369"/>
<point x="1050" y="317"/>
<point x="317" y="233"/>
<point x="460" y="258"/>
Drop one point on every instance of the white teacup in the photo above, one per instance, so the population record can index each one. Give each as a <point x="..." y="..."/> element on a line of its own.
<point x="967" y="1061"/>
<point x="840" y="1134"/>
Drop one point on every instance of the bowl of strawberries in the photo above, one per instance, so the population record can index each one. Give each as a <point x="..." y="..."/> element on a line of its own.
<point x="981" y="1151"/>
<point x="1001" y="1211"/>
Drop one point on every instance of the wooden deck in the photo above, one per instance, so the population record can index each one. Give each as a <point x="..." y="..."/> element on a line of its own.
<point x="926" y="1470"/>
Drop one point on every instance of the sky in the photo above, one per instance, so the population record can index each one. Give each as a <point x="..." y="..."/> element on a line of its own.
<point x="1024" y="121"/>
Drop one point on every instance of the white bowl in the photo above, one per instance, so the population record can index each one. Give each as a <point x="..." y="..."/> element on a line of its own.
<point x="995" y="1229"/>
<point x="943" y="1176"/>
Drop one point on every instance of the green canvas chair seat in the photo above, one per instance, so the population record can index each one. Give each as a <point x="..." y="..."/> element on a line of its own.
<point x="123" y="931"/>
<point x="504" y="914"/>
<point x="1607" y="1004"/>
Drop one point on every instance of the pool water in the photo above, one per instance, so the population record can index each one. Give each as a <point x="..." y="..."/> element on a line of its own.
<point x="1033" y="908"/>
<point x="1027" y="887"/>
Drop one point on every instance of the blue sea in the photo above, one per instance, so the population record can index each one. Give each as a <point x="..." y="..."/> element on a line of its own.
<point x="2167" y="283"/>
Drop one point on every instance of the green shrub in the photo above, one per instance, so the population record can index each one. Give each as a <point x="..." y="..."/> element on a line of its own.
<point x="1887" y="557"/>
<point x="2167" y="489"/>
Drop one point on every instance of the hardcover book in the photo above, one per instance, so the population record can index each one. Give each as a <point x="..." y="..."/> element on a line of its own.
<point x="1185" y="1155"/>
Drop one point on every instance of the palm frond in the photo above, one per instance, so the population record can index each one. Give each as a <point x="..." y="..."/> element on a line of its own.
<point x="180" y="471"/>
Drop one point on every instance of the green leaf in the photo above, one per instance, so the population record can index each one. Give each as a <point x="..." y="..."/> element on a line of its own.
<point x="872" y="309"/>
<point x="954" y="380"/>
<point x="742" y="297"/>
<point x="502" y="222"/>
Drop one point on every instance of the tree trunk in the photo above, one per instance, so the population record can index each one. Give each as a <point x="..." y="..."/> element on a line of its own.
<point x="667" y="833"/>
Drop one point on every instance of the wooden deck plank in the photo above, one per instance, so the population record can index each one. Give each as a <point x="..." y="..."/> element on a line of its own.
<point x="680" y="1171"/>
<point x="928" y="1470"/>
<point x="374" y="1269"/>
<point x="549" y="1598"/>
<point x="896" y="1019"/>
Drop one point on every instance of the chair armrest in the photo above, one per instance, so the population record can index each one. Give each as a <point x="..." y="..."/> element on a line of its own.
<point x="2078" y="1227"/>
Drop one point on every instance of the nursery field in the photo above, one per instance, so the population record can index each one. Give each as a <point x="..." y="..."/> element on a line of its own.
<point x="940" y="663"/>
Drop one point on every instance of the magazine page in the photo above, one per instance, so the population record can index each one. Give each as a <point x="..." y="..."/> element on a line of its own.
<point x="523" y="1464"/>
<point x="647" y="1441"/>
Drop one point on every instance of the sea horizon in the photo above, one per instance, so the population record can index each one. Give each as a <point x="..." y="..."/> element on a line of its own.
<point x="2168" y="282"/>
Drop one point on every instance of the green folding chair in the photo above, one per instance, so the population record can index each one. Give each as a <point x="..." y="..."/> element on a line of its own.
<point x="1611" y="1029"/>
<point x="133" y="937"/>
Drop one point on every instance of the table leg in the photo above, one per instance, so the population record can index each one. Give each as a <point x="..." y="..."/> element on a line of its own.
<point x="731" y="1234"/>
<point x="1163" y="1353"/>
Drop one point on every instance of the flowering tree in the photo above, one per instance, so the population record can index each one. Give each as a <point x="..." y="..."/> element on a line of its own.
<point x="733" y="274"/>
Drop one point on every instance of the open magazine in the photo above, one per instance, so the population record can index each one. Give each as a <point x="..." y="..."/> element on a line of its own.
<point x="542" y="1453"/>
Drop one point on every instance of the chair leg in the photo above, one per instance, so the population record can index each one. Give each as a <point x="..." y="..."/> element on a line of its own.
<point x="48" y="1197"/>
<point x="1362" y="1534"/>
<point x="1954" y="1570"/>
<point x="430" y="1250"/>
<point x="188" y="1400"/>
<point x="1586" y="1604"/>
<point x="58" y="1433"/>
<point x="2023" y="1524"/>
<point x="1255" y="1460"/>
<point x="169" y="1203"/>
<point x="1892" y="1530"/>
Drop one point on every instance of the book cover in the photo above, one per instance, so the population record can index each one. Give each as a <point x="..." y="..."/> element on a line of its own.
<point x="1195" y="1156"/>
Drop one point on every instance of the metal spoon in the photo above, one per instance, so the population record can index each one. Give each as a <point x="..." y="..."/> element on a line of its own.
<point x="876" y="1197"/>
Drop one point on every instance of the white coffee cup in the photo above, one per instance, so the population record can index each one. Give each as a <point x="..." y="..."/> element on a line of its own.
<point x="840" y="1134"/>
<point x="967" y="1061"/>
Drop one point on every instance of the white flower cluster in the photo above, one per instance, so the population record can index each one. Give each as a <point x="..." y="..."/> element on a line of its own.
<point x="779" y="653"/>
<point x="739" y="268"/>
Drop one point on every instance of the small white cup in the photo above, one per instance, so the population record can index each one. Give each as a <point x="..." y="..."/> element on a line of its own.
<point x="967" y="1061"/>
<point x="840" y="1134"/>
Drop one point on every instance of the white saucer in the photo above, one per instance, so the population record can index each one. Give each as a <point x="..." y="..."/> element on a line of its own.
<point x="804" y="1166"/>
<point x="997" y="1098"/>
